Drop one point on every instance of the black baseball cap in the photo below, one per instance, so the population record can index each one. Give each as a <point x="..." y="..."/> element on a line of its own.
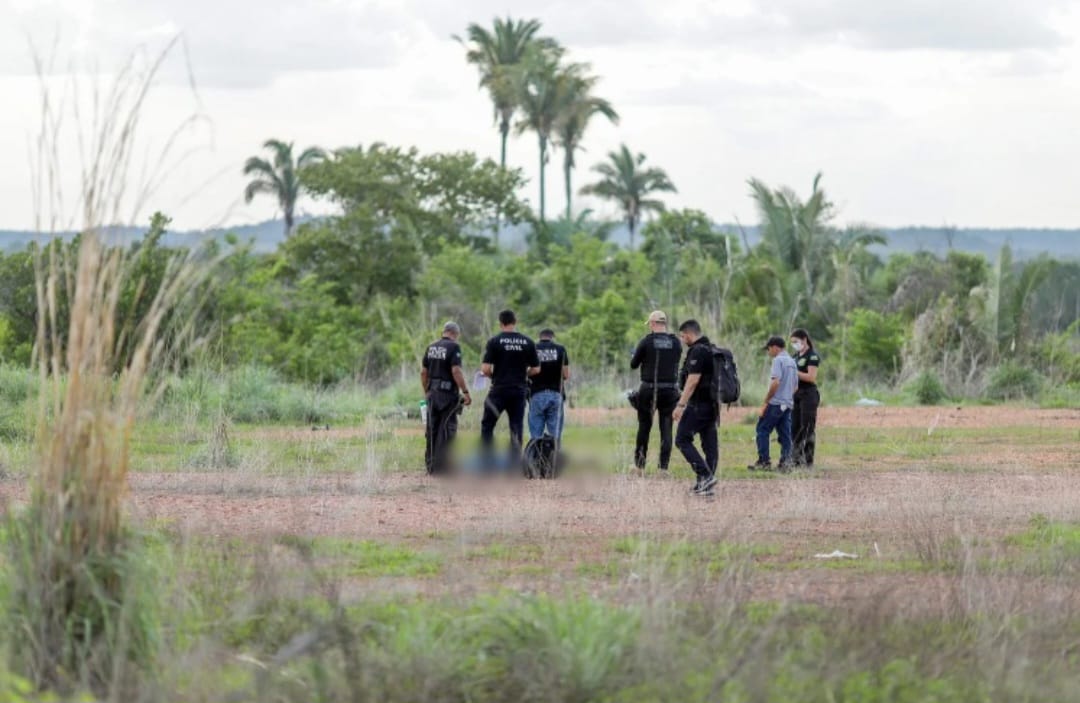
<point x="775" y="341"/>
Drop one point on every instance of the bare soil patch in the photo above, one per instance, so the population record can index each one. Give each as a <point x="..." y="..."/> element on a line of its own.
<point x="886" y="512"/>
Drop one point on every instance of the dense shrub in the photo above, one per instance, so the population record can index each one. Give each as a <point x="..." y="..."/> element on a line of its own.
<point x="1013" y="381"/>
<point x="928" y="389"/>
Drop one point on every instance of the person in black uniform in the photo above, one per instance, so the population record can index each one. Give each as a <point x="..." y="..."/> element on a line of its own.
<point x="509" y="359"/>
<point x="697" y="411"/>
<point x="445" y="391"/>
<point x="657" y="354"/>
<point x="546" y="389"/>
<point x="807" y="399"/>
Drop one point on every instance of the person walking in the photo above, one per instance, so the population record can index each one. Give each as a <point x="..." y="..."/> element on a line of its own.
<point x="807" y="399"/>
<point x="697" y="411"/>
<point x="776" y="411"/>
<point x="510" y="358"/>
<point x="547" y="388"/>
<point x="445" y="393"/>
<point x="657" y="355"/>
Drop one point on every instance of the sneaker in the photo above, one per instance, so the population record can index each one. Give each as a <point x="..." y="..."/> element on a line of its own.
<point x="785" y="467"/>
<point x="707" y="484"/>
<point x="707" y="493"/>
<point x="697" y="485"/>
<point x="760" y="466"/>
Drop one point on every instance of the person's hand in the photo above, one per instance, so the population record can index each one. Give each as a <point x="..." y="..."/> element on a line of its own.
<point x="677" y="415"/>
<point x="466" y="398"/>
<point x="764" y="409"/>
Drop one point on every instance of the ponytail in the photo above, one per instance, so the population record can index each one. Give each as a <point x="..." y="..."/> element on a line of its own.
<point x="802" y="334"/>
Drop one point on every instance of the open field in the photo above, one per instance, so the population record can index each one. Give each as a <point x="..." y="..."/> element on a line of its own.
<point x="965" y="523"/>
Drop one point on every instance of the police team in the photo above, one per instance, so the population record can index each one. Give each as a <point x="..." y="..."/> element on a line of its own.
<point x="526" y="374"/>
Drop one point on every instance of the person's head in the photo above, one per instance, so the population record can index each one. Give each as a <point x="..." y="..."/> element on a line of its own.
<point x="775" y="345"/>
<point x="546" y="334"/>
<point x="800" y="340"/>
<point x="507" y="319"/>
<point x="657" y="321"/>
<point x="451" y="330"/>
<point x="690" y="332"/>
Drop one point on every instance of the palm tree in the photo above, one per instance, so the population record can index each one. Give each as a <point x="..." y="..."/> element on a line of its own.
<point x="280" y="178"/>
<point x="498" y="55"/>
<point x="798" y="233"/>
<point x="546" y="90"/>
<point x="626" y="181"/>
<point x="580" y="107"/>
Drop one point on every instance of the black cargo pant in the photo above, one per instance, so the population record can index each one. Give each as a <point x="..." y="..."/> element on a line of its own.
<point x="442" y="426"/>
<point x="699" y="418"/>
<point x="667" y="397"/>
<point x="510" y="399"/>
<point x="804" y="425"/>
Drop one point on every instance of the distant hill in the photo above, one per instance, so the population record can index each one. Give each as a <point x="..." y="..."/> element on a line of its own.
<point x="265" y="236"/>
<point x="1025" y="242"/>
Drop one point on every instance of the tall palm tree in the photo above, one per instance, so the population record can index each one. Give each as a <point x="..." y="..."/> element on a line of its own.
<point x="579" y="108"/>
<point x="626" y="181"/>
<point x="498" y="55"/>
<point x="545" y="92"/>
<point x="280" y="177"/>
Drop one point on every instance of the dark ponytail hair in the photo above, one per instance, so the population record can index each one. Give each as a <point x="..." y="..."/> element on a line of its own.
<point x="805" y="336"/>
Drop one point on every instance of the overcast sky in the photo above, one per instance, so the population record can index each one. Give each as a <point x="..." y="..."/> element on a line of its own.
<point x="927" y="112"/>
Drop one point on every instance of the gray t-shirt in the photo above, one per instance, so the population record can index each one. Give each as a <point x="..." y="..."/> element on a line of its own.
<point x="783" y="368"/>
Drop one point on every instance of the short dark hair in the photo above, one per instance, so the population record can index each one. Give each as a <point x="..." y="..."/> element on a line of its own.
<point x="547" y="333"/>
<point x="507" y="317"/>
<point x="775" y="341"/>
<point x="690" y="326"/>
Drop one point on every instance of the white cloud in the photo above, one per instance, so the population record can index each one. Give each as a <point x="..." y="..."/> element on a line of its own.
<point x="237" y="44"/>
<point x="916" y="113"/>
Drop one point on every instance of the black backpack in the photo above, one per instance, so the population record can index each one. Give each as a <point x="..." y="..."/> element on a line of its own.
<point x="725" y="386"/>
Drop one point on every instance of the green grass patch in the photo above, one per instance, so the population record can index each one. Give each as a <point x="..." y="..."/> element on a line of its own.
<point x="367" y="558"/>
<point x="1044" y="534"/>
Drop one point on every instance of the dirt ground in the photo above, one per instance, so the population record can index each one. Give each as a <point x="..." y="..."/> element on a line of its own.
<point x="876" y="513"/>
<point x="999" y="488"/>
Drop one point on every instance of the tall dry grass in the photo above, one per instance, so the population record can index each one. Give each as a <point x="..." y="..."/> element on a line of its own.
<point x="82" y="611"/>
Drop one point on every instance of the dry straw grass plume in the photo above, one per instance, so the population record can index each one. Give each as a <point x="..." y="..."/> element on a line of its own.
<point x="82" y="605"/>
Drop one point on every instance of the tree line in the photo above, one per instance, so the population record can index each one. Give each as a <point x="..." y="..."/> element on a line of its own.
<point x="414" y="241"/>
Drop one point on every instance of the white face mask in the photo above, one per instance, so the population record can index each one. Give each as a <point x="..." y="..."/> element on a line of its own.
<point x="797" y="345"/>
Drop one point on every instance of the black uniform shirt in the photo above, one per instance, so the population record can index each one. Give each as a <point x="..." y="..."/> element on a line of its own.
<point x="804" y="361"/>
<point x="699" y="360"/>
<point x="658" y="356"/>
<point x="512" y="354"/>
<point x="552" y="360"/>
<point x="439" y="361"/>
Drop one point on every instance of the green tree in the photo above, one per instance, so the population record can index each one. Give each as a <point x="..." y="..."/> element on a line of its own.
<point x="625" y="180"/>
<point x="18" y="304"/>
<point x="436" y="198"/>
<point x="675" y="241"/>
<point x="874" y="342"/>
<point x="579" y="107"/>
<point x="280" y="176"/>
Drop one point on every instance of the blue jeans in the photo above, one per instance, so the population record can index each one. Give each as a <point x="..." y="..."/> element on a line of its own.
<point x="779" y="420"/>
<point x="546" y="414"/>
